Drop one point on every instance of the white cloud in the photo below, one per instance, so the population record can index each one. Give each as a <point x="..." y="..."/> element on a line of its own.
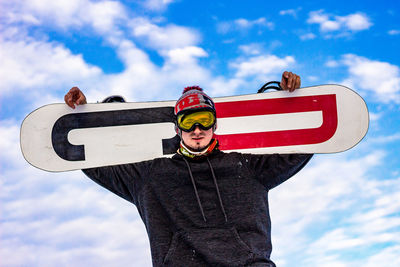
<point x="185" y="55"/>
<point x="394" y="32"/>
<point x="102" y="16"/>
<point x="334" y="240"/>
<point x="9" y="143"/>
<point x="224" y="27"/>
<point x="335" y="190"/>
<point x="56" y="233"/>
<point x="50" y="219"/>
<point x="374" y="224"/>
<point x="388" y="257"/>
<point x="308" y="36"/>
<point x="317" y="17"/>
<point x="24" y="68"/>
<point x="380" y="78"/>
<point x="331" y="64"/>
<point x="24" y="56"/>
<point x="313" y="78"/>
<point x="144" y="80"/>
<point x="355" y="22"/>
<point x="261" y="65"/>
<point x="157" y="5"/>
<point x="42" y="69"/>
<point x="221" y="86"/>
<point x="252" y="49"/>
<point x="375" y="116"/>
<point x="161" y="38"/>
<point x="330" y="25"/>
<point x="244" y="25"/>
<point x="383" y="139"/>
<point x="341" y="25"/>
<point x="291" y="12"/>
<point x="28" y="65"/>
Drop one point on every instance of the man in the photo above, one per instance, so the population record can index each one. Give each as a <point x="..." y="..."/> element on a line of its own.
<point x="202" y="207"/>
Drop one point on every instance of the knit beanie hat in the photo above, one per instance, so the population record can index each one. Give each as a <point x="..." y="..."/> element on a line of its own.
<point x="193" y="98"/>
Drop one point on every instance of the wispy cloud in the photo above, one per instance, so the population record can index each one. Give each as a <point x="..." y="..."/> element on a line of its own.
<point x="338" y="26"/>
<point x="49" y="219"/>
<point x="290" y="12"/>
<point x="157" y="5"/>
<point x="163" y="37"/>
<point x="373" y="226"/>
<point x="252" y="49"/>
<point x="244" y="25"/>
<point x="23" y="66"/>
<point x="394" y="32"/>
<point x="178" y="46"/>
<point x="307" y="36"/>
<point x="336" y="185"/>
<point x="331" y="63"/>
<point x="380" y="78"/>
<point x="23" y="54"/>
<point x="261" y="65"/>
<point x="383" y="139"/>
<point x="102" y="16"/>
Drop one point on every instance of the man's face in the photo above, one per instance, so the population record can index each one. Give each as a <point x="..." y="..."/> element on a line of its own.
<point x="197" y="139"/>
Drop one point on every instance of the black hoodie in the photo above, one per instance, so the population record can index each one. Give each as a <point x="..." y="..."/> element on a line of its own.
<point x="208" y="212"/>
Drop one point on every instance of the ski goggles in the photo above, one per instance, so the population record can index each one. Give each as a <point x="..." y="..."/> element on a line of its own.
<point x="188" y="122"/>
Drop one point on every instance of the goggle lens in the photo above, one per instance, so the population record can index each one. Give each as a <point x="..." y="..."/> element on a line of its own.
<point x="204" y="119"/>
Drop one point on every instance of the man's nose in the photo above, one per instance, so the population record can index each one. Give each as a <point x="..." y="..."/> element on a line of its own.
<point x="197" y="129"/>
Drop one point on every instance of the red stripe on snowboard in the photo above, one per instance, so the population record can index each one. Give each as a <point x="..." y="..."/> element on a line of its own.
<point x="324" y="103"/>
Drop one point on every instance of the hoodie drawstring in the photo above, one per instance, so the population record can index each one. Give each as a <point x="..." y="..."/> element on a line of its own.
<point x="197" y="194"/>
<point x="195" y="189"/>
<point x="216" y="187"/>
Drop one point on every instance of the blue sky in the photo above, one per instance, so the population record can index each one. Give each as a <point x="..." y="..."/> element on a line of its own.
<point x="341" y="210"/>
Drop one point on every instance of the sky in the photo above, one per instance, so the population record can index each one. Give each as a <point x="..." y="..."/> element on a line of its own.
<point x="341" y="210"/>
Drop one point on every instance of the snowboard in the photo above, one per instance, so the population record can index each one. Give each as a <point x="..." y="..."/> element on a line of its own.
<point x="318" y="119"/>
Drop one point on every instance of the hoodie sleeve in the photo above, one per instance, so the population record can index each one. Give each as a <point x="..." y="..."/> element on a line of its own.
<point x="272" y="170"/>
<point x="123" y="180"/>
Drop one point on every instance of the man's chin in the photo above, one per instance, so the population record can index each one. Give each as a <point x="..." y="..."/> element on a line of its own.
<point x="196" y="147"/>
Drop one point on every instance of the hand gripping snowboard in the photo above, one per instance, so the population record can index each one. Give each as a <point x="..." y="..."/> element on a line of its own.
<point x="319" y="119"/>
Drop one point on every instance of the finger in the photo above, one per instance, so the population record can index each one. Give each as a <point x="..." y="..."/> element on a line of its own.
<point x="294" y="86"/>
<point x="71" y="102"/>
<point x="298" y="82"/>
<point x="68" y="100"/>
<point x="81" y="100"/>
<point x="285" y="76"/>
<point x="295" y="82"/>
<point x="290" y="82"/>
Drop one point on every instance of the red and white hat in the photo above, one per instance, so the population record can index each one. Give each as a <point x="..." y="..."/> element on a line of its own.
<point x="193" y="98"/>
